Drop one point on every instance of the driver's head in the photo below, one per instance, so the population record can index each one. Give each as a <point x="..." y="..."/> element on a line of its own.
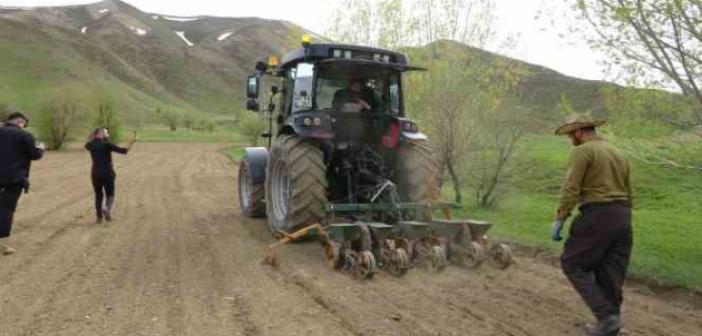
<point x="356" y="84"/>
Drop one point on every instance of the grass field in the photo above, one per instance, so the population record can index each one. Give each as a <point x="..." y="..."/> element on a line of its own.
<point x="667" y="215"/>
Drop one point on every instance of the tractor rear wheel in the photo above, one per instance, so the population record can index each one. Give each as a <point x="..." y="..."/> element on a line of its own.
<point x="416" y="169"/>
<point x="251" y="195"/>
<point x="296" y="184"/>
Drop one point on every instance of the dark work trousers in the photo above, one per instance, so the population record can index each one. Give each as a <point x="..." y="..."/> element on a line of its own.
<point x="9" y="195"/>
<point x="104" y="186"/>
<point x="596" y="255"/>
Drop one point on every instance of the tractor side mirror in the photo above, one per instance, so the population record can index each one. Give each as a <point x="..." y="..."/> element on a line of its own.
<point x="252" y="87"/>
<point x="252" y="105"/>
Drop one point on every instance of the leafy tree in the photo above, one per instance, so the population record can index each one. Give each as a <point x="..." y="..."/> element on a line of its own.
<point x="108" y="115"/>
<point x="61" y="113"/>
<point x="171" y="118"/>
<point x="656" y="43"/>
<point x="460" y="101"/>
<point x="251" y="126"/>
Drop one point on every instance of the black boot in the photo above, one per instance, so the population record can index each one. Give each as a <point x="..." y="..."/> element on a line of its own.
<point x="608" y="326"/>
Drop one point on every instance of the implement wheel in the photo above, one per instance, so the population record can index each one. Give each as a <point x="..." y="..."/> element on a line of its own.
<point x="296" y="184"/>
<point x="251" y="195"/>
<point x="399" y="262"/>
<point x="364" y="266"/>
<point x="501" y="256"/>
<point x="437" y="261"/>
<point x="471" y="255"/>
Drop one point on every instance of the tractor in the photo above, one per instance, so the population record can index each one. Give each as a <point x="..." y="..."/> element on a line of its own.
<point x="344" y="160"/>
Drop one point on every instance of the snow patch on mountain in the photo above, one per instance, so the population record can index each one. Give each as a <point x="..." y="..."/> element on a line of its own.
<point x="138" y="31"/>
<point x="181" y="19"/>
<point x="224" y="36"/>
<point x="84" y="30"/>
<point x="185" y="39"/>
<point x="103" y="11"/>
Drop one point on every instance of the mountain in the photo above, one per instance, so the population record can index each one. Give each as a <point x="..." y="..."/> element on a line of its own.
<point x="151" y="60"/>
<point x="193" y="64"/>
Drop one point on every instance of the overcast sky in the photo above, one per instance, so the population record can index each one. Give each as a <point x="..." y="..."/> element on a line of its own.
<point x="539" y="44"/>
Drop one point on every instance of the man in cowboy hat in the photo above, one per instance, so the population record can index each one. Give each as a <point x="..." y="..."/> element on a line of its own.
<point x="17" y="149"/>
<point x="596" y="255"/>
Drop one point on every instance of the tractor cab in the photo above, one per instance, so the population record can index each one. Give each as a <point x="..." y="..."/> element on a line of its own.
<point x="340" y="92"/>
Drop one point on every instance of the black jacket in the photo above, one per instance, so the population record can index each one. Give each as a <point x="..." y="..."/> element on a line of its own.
<point x="101" y="153"/>
<point x="17" y="149"/>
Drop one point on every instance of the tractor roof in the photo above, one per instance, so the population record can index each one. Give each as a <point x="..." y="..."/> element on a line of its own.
<point x="321" y="51"/>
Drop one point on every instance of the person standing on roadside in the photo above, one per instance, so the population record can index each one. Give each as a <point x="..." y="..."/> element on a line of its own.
<point x="597" y="252"/>
<point x="17" y="149"/>
<point x="102" y="172"/>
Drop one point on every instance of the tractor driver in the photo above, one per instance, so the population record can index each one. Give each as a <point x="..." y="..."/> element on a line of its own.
<point x="357" y="97"/>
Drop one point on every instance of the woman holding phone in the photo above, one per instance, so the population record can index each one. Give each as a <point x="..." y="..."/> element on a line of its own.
<point x="103" y="173"/>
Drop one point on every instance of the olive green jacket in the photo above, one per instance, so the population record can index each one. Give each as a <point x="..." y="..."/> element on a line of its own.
<point x="597" y="172"/>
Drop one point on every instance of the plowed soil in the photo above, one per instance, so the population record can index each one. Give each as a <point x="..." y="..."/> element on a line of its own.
<point x="180" y="259"/>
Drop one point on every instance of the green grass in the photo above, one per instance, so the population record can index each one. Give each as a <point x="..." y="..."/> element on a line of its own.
<point x="235" y="153"/>
<point x="667" y="215"/>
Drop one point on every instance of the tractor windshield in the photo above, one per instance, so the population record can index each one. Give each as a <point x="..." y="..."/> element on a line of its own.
<point x="348" y="88"/>
<point x="379" y="93"/>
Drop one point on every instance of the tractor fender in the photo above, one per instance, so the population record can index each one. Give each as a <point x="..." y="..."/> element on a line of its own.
<point x="256" y="159"/>
<point x="414" y="135"/>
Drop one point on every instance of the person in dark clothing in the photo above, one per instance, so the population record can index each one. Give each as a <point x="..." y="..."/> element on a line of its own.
<point x="357" y="97"/>
<point x="596" y="255"/>
<point x="17" y="149"/>
<point x="102" y="173"/>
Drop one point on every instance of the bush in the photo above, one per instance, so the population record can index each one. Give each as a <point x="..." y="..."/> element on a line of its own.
<point x="60" y="115"/>
<point x="251" y="126"/>
<point x="209" y="126"/>
<point x="108" y="115"/>
<point x="189" y="121"/>
<point x="171" y="118"/>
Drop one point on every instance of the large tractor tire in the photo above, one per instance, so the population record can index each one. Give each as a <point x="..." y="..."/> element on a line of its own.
<point x="415" y="169"/>
<point x="251" y="195"/>
<point x="296" y="185"/>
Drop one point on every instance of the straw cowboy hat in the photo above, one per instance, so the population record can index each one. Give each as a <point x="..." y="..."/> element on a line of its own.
<point x="578" y="121"/>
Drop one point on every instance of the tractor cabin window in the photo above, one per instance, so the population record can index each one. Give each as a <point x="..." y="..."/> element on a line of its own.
<point x="377" y="93"/>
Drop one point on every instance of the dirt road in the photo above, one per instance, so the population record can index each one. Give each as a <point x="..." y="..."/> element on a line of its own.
<point x="181" y="260"/>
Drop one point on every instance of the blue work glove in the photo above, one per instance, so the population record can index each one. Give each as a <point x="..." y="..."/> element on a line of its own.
<point x="556" y="228"/>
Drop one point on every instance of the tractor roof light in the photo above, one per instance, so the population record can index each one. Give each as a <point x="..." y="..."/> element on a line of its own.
<point x="306" y="40"/>
<point x="272" y="61"/>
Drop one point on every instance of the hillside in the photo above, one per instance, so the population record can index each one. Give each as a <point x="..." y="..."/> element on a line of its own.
<point x="190" y="64"/>
<point x="149" y="59"/>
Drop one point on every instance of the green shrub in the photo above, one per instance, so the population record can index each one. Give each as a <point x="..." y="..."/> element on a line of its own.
<point x="60" y="114"/>
<point x="251" y="126"/>
<point x="171" y="118"/>
<point x="108" y="115"/>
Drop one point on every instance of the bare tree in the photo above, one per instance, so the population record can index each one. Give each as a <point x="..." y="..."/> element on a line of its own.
<point x="657" y="41"/>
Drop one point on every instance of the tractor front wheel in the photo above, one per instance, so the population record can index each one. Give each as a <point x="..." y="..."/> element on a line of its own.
<point x="251" y="195"/>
